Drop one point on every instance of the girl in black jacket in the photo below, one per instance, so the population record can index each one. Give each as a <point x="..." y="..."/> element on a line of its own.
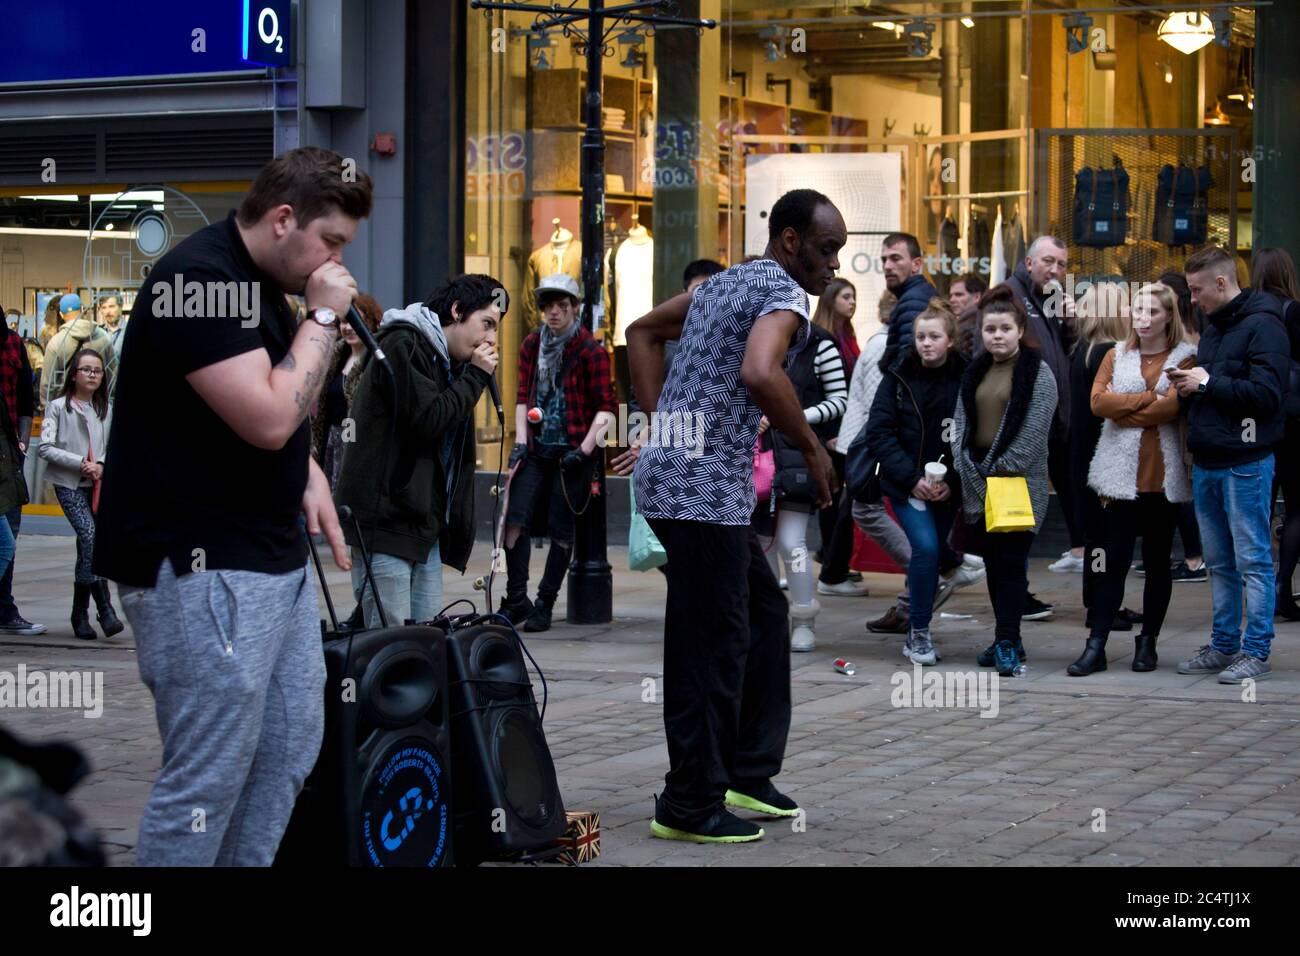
<point x="910" y="427"/>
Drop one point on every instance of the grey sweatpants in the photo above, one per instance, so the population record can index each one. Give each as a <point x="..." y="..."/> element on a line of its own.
<point x="876" y="524"/>
<point x="234" y="662"/>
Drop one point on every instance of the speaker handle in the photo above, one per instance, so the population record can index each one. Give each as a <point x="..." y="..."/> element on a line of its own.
<point x="346" y="513"/>
<point x="320" y="573"/>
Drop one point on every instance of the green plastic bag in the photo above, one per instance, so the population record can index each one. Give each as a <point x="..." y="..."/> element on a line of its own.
<point x="644" y="552"/>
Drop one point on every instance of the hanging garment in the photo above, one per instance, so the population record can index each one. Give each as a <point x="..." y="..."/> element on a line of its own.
<point x="633" y="284"/>
<point x="980" y="246"/>
<point x="1100" y="207"/>
<point x="1182" y="206"/>
<point x="948" y="246"/>
<point x="998" y="268"/>
<point x="1012" y="236"/>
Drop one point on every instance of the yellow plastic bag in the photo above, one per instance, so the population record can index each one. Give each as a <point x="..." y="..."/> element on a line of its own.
<point x="1007" y="506"/>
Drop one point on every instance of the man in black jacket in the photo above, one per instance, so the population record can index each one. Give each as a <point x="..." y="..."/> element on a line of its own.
<point x="1037" y="284"/>
<point x="1235" y="418"/>
<point x="900" y="255"/>
<point x="410" y="482"/>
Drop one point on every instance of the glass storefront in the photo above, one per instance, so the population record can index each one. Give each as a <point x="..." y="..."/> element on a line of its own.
<point x="96" y="242"/>
<point x="974" y="126"/>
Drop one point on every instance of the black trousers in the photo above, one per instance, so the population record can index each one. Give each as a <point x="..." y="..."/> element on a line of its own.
<point x="726" y="667"/>
<point x="1155" y="519"/>
<point x="1063" y="481"/>
<point x="836" y="525"/>
<point x="1006" y="555"/>
<point x="1092" y="541"/>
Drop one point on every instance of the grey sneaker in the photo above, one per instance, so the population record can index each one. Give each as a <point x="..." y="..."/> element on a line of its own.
<point x="1206" y="661"/>
<point x="921" y="648"/>
<point x="1244" y="668"/>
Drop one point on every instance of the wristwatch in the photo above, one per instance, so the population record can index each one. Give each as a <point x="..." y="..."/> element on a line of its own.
<point x="327" y="318"/>
<point x="1200" y="388"/>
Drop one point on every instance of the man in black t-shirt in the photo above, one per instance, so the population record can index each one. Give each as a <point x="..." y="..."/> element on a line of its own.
<point x="206" y="480"/>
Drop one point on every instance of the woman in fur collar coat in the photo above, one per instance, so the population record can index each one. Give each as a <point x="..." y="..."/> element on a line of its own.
<point x="1139" y="471"/>
<point x="1008" y="401"/>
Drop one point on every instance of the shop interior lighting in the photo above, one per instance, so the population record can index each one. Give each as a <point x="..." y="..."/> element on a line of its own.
<point x="968" y="23"/>
<point x="1222" y="21"/>
<point x="1187" y="31"/>
<point x="919" y="33"/>
<point x="1076" y="32"/>
<point x="1216" y="116"/>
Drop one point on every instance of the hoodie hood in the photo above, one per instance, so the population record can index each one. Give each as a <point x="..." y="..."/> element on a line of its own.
<point x="418" y="317"/>
<point x="1031" y="288"/>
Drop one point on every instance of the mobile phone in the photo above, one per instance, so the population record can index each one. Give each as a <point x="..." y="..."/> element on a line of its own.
<point x="1169" y="369"/>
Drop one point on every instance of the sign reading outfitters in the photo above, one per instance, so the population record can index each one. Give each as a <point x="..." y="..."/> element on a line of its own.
<point x="403" y="806"/>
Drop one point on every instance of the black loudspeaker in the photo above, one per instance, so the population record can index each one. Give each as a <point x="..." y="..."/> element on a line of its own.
<point x="380" y="794"/>
<point x="507" y="798"/>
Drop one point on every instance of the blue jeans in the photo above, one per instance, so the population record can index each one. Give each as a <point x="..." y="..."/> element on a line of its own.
<point x="8" y="609"/>
<point x="926" y="532"/>
<point x="1232" y="508"/>
<point x="409" y="591"/>
<point x="8" y="548"/>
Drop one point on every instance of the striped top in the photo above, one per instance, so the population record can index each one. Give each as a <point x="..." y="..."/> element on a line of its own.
<point x="829" y="367"/>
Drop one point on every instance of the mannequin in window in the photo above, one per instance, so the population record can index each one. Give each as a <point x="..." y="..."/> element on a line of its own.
<point x="561" y="254"/>
<point x="631" y="289"/>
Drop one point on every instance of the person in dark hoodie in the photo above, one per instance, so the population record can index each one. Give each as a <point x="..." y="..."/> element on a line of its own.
<point x="1236" y="416"/>
<point x="909" y="428"/>
<point x="900" y="255"/>
<point x="1049" y="316"/>
<point x="409" y="479"/>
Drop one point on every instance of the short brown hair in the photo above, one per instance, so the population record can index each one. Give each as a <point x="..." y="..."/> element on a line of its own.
<point x="371" y="311"/>
<point x="311" y="180"/>
<point x="1213" y="259"/>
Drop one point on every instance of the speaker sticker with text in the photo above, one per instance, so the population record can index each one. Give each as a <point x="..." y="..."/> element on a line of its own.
<point x="404" y="812"/>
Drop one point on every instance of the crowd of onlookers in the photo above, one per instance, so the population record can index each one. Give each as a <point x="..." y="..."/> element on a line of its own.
<point x="1151" y="410"/>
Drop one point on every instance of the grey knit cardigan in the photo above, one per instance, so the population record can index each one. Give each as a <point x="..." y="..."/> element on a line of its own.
<point x="1020" y="446"/>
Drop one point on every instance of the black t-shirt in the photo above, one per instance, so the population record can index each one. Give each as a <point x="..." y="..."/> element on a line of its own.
<point x="178" y="482"/>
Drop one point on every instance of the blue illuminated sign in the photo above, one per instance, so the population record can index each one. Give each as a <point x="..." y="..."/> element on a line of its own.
<point x="267" y="37"/>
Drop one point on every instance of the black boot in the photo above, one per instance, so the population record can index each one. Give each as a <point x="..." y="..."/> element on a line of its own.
<point x="540" y="619"/>
<point x="108" y="619"/>
<point x="516" y="605"/>
<point x="1287" y="609"/>
<point x="1144" y="653"/>
<point x="1092" y="660"/>
<point x="81" y="612"/>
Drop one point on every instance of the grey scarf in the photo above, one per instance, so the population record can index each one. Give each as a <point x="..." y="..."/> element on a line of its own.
<point x="550" y="357"/>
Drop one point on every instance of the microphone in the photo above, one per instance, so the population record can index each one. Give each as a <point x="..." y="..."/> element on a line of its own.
<point x="367" y="337"/>
<point x="496" y="399"/>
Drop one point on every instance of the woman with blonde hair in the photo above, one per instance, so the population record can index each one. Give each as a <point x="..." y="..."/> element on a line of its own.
<point x="1102" y="319"/>
<point x="1138" y="471"/>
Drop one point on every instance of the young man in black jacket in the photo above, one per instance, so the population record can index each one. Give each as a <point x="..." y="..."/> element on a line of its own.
<point x="1234" y="420"/>
<point x="410" y="482"/>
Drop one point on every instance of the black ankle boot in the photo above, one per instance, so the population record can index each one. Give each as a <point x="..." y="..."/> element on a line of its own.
<point x="516" y="605"/>
<point x="108" y="619"/>
<point x="1144" y="653"/>
<point x="81" y="612"/>
<point x="540" y="619"/>
<point x="1092" y="660"/>
<point x="1287" y="609"/>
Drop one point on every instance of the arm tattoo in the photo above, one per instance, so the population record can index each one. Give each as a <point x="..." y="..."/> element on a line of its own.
<point x="288" y="363"/>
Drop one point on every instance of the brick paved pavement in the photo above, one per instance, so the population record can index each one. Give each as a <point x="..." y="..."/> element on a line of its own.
<point x="1186" y="772"/>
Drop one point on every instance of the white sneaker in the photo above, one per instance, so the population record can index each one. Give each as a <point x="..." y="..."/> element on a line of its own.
<point x="972" y="561"/>
<point x="803" y="639"/>
<point x="843" y="589"/>
<point x="785" y="585"/>
<point x="1068" y="564"/>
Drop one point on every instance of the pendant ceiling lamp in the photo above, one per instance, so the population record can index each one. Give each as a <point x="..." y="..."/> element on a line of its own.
<point x="1186" y="31"/>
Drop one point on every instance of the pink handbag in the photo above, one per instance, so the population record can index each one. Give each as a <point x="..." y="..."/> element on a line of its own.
<point x="764" y="470"/>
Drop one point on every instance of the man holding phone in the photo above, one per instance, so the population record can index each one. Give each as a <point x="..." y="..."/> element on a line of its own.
<point x="1235" y="417"/>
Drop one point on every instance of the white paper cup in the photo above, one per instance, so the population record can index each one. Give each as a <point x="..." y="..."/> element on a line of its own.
<point x="935" y="472"/>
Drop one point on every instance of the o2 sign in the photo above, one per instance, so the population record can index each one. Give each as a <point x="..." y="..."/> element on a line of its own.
<point x="268" y="32"/>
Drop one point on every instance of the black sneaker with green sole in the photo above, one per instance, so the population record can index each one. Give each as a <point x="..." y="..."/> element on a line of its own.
<point x="766" y="800"/>
<point x="722" y="827"/>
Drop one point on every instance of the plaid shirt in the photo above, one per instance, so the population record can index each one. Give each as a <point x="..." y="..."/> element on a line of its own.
<point x="588" y="385"/>
<point x="15" y="380"/>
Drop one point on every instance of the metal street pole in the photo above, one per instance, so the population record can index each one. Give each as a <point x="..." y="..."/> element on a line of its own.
<point x="591" y="580"/>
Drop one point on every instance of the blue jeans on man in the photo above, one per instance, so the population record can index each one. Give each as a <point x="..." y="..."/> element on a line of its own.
<point x="1232" y="509"/>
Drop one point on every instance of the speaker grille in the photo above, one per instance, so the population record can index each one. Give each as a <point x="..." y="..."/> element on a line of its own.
<point x="523" y="757"/>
